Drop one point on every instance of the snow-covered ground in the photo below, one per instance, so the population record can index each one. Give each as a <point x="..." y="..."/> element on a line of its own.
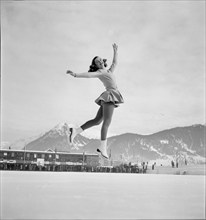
<point x="67" y="195"/>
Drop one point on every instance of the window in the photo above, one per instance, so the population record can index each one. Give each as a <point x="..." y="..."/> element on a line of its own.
<point x="42" y="156"/>
<point x="50" y="156"/>
<point x="28" y="154"/>
<point x="5" y="154"/>
<point x="12" y="154"/>
<point x="35" y="155"/>
<point x="57" y="156"/>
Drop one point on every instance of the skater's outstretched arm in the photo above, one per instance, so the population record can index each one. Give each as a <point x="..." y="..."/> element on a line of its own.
<point x="84" y="75"/>
<point x="114" y="62"/>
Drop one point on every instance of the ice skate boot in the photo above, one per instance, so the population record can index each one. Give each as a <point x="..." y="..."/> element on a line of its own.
<point x="103" y="149"/>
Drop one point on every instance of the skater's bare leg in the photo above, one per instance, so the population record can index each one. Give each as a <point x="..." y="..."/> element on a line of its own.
<point x="108" y="109"/>
<point x="96" y="121"/>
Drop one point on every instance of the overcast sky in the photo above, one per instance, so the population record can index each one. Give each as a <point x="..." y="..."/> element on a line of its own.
<point x="160" y="72"/>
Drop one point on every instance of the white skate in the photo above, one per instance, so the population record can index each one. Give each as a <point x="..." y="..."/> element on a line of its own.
<point x="103" y="149"/>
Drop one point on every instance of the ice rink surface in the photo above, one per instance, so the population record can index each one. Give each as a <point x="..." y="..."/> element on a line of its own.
<point x="68" y="195"/>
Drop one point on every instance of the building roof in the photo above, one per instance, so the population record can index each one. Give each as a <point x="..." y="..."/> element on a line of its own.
<point x="49" y="151"/>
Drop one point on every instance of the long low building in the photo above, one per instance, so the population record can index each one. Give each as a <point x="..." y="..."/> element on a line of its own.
<point x="46" y="159"/>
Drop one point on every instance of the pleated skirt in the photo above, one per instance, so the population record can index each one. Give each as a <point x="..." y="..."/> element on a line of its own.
<point x="110" y="96"/>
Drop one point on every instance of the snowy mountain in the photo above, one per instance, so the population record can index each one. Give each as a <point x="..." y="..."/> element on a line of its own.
<point x="58" y="138"/>
<point x="177" y="143"/>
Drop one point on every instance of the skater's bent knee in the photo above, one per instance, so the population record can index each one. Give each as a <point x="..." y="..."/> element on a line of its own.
<point x="97" y="122"/>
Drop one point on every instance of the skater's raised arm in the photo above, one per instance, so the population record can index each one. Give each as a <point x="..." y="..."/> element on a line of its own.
<point x="114" y="62"/>
<point x="83" y="75"/>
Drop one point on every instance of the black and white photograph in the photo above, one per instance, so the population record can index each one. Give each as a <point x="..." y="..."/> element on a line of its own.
<point x="103" y="109"/>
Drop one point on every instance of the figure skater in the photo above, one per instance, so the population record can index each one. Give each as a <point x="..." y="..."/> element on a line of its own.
<point x="107" y="101"/>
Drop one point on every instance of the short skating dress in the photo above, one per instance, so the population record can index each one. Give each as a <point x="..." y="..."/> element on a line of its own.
<point x="112" y="94"/>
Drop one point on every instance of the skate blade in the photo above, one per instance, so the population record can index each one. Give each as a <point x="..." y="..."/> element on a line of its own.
<point x="100" y="153"/>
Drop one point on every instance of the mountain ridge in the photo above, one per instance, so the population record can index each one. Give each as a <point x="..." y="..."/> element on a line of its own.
<point x="179" y="143"/>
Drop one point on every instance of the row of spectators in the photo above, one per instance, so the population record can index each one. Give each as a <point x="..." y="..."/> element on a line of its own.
<point x="123" y="168"/>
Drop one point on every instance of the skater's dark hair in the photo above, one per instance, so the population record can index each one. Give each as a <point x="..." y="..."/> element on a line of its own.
<point x="93" y="67"/>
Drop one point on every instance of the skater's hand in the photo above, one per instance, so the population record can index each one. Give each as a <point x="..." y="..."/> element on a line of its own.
<point x="115" y="47"/>
<point x="71" y="73"/>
